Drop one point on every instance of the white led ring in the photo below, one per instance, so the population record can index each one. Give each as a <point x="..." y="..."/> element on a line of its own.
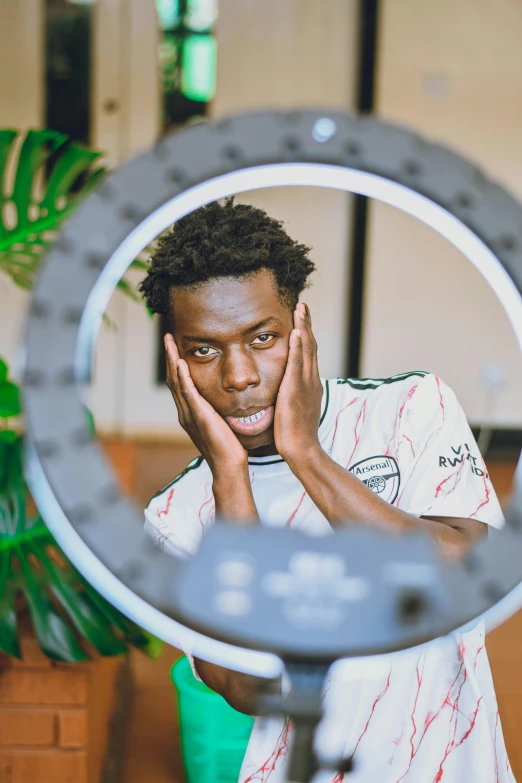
<point x="71" y="481"/>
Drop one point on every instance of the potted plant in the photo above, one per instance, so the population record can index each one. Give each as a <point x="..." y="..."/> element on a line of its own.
<point x="62" y="645"/>
<point x="64" y="608"/>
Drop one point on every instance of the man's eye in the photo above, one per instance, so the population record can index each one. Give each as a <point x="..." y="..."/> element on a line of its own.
<point x="204" y="351"/>
<point x="263" y="338"/>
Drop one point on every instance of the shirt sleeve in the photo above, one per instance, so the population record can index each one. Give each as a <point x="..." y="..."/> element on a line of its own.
<point x="165" y="538"/>
<point x="178" y="517"/>
<point x="447" y="475"/>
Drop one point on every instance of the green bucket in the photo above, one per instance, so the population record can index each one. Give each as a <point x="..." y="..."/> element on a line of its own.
<point x="214" y="737"/>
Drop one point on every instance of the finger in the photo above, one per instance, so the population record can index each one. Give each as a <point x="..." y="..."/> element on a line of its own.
<point x="171" y="351"/>
<point x="187" y="390"/>
<point x="312" y="335"/>
<point x="305" y="312"/>
<point x="303" y="322"/>
<point x="295" y="354"/>
<point x="304" y="319"/>
<point x="172" y="359"/>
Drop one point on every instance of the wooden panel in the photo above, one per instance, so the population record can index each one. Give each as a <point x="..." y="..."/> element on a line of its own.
<point x="102" y="686"/>
<point x="21" y="107"/>
<point x="451" y="71"/>
<point x="141" y="115"/>
<point x="122" y="455"/>
<point x="285" y="54"/>
<point x="157" y="464"/>
<point x="21" y="63"/>
<point x="504" y="646"/>
<point x="107" y="81"/>
<point x="152" y="749"/>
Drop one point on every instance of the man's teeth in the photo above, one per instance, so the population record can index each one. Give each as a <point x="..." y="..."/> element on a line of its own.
<point x="253" y="418"/>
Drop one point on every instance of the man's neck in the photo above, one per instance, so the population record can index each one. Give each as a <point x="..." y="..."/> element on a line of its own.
<point x="264" y="451"/>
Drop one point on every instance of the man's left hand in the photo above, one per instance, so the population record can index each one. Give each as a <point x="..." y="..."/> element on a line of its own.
<point x="298" y="405"/>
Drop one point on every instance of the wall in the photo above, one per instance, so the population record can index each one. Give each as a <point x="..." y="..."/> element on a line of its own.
<point x="270" y="54"/>
<point x="125" y="113"/>
<point x="125" y="96"/>
<point x="298" y="54"/>
<point x="21" y="107"/>
<point x="421" y="296"/>
<point x="21" y="63"/>
<point x="451" y="71"/>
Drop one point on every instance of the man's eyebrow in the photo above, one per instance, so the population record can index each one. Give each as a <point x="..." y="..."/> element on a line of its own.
<point x="190" y="338"/>
<point x="260" y="324"/>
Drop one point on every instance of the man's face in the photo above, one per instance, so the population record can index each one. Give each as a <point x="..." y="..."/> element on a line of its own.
<point x="233" y="333"/>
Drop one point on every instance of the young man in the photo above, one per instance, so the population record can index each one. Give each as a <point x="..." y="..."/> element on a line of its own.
<point x="280" y="446"/>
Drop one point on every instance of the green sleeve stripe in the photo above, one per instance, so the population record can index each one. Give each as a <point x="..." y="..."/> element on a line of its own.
<point x="374" y="383"/>
<point x="327" y="384"/>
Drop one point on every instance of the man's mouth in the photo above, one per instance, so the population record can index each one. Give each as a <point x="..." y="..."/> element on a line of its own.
<point x="254" y="423"/>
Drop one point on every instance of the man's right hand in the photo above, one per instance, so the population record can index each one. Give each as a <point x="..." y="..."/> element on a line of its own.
<point x="224" y="454"/>
<point x="206" y="428"/>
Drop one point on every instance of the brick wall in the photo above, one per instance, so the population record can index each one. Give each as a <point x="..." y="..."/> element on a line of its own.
<point x="53" y="722"/>
<point x="55" y="717"/>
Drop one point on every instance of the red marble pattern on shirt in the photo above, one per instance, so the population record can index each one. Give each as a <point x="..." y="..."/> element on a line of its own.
<point x="457" y="723"/>
<point x="263" y="773"/>
<point x="372" y="710"/>
<point x="162" y="536"/>
<point x="294" y="512"/>
<point x="456" y="475"/>
<point x="452" y="743"/>
<point x="398" y="418"/>
<point x="433" y="434"/>
<point x="405" y="437"/>
<point x="451" y="704"/>
<point x="413" y="722"/>
<point x="441" y="401"/>
<point x="164" y="511"/>
<point x="210" y="499"/>
<point x="357" y="431"/>
<point x="337" y="418"/>
<point x="487" y="491"/>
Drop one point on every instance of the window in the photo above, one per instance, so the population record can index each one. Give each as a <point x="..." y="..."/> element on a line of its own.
<point x="68" y="30"/>
<point x="187" y="56"/>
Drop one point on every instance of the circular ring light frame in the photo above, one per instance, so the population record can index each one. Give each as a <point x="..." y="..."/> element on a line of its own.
<point x="101" y="531"/>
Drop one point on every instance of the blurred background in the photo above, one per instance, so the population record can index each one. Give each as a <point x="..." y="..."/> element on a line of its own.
<point x="389" y="295"/>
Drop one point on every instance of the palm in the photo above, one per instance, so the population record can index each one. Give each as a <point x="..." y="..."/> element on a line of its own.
<point x="220" y="431"/>
<point x="284" y="398"/>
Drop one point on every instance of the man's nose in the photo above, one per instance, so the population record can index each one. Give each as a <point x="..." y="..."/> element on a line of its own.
<point x="239" y="371"/>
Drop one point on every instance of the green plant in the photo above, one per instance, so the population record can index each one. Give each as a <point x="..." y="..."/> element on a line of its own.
<point x="65" y="609"/>
<point x="50" y="175"/>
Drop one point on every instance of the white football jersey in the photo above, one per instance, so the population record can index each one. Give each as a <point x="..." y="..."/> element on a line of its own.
<point x="425" y="715"/>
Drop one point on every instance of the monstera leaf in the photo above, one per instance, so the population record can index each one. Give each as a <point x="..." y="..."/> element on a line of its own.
<point x="65" y="609"/>
<point x="51" y="174"/>
<point x="9" y="395"/>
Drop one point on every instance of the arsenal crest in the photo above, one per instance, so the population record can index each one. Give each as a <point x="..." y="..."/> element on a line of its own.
<point x="380" y="474"/>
